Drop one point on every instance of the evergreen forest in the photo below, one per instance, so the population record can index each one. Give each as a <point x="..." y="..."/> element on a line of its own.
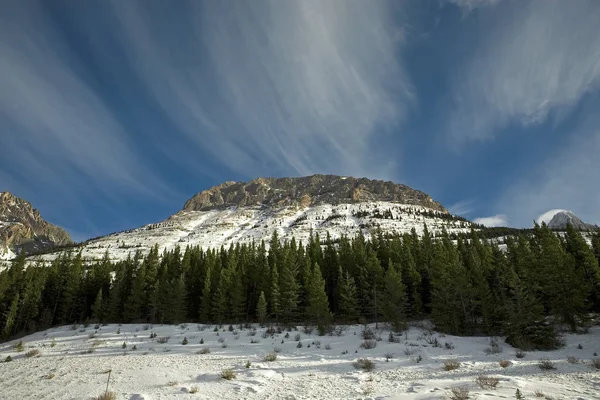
<point x="537" y="284"/>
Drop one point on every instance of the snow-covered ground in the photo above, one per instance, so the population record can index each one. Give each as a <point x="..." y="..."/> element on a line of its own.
<point x="73" y="364"/>
<point x="216" y="228"/>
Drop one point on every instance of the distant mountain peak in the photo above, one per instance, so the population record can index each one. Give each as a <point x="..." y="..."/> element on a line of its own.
<point x="23" y="229"/>
<point x="307" y="191"/>
<point x="562" y="218"/>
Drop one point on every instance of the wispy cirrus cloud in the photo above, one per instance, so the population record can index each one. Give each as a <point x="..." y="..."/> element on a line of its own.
<point x="535" y="58"/>
<point x="535" y="63"/>
<point x="470" y="5"/>
<point x="287" y="86"/>
<point x="463" y="207"/>
<point x="55" y="129"/>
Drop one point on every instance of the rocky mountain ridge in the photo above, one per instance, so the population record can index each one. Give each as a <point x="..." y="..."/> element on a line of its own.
<point x="307" y="191"/>
<point x="23" y="229"/>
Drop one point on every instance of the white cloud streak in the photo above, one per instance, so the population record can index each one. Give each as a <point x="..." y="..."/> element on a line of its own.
<point x="56" y="130"/>
<point x="536" y="58"/>
<point x="495" y="220"/>
<point x="470" y="5"/>
<point x="463" y="207"/>
<point x="299" y="87"/>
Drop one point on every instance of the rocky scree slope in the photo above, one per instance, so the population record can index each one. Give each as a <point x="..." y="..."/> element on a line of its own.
<point x="23" y="229"/>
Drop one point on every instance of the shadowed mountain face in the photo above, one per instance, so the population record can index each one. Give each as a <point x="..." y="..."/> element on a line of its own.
<point x="561" y="219"/>
<point x="23" y="229"/>
<point x="307" y="191"/>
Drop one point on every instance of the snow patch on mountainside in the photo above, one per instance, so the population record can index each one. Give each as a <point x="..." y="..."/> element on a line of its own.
<point x="6" y="254"/>
<point x="223" y="227"/>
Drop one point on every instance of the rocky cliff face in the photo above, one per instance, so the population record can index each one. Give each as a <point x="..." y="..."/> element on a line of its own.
<point x="307" y="191"/>
<point x="23" y="229"/>
<point x="561" y="219"/>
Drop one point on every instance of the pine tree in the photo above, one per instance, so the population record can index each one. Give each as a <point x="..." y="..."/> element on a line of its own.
<point x="205" y="310"/>
<point x="274" y="297"/>
<point x="289" y="290"/>
<point x="98" y="308"/>
<point x="10" y="317"/>
<point x="133" y="309"/>
<point x="318" y="306"/>
<point x="261" y="308"/>
<point x="348" y="303"/>
<point x="219" y="300"/>
<point x="237" y="298"/>
<point x="586" y="264"/>
<point x="394" y="305"/>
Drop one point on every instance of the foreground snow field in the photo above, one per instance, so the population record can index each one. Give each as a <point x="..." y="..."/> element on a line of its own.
<point x="73" y="364"/>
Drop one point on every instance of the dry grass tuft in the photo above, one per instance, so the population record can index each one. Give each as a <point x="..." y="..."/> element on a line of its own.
<point x="107" y="396"/>
<point x="458" y="393"/>
<point x="487" y="382"/>
<point x="505" y="363"/>
<point x="451" y="365"/>
<point x="172" y="383"/>
<point x="228" y="374"/>
<point x="270" y="357"/>
<point x="32" y="353"/>
<point x="546" y="365"/>
<point x="365" y="364"/>
<point x="204" y="350"/>
<point x="368" y="344"/>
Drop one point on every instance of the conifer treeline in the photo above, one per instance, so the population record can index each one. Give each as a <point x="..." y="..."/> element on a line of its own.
<point x="465" y="286"/>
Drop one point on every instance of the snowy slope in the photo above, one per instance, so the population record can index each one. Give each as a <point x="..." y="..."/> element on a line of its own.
<point x="73" y="364"/>
<point x="215" y="228"/>
<point x="6" y="254"/>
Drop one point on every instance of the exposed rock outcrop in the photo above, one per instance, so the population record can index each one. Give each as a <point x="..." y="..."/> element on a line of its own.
<point x="23" y="229"/>
<point x="307" y="191"/>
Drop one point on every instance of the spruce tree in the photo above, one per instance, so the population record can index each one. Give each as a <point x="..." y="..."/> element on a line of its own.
<point x="237" y="297"/>
<point x="318" y="306"/>
<point x="10" y="317"/>
<point x="348" y="303"/>
<point x="288" y="287"/>
<point x="274" y="293"/>
<point x="98" y="308"/>
<point x="205" y="309"/>
<point x="586" y="264"/>
<point x="219" y="300"/>
<point x="394" y="304"/>
<point x="261" y="308"/>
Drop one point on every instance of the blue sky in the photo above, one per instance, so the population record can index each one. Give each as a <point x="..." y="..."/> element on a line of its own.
<point x="113" y="113"/>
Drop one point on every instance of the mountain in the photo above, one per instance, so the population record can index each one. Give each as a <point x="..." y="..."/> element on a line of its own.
<point x="307" y="191"/>
<point x="243" y="212"/>
<point x="23" y="229"/>
<point x="562" y="218"/>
